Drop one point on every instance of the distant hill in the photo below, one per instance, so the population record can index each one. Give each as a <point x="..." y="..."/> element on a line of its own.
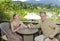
<point x="53" y="2"/>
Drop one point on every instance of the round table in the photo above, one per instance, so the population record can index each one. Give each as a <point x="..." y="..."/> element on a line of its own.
<point x="28" y="34"/>
<point x="27" y="31"/>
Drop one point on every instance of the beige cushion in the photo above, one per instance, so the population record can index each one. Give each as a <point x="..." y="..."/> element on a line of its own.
<point x="4" y="37"/>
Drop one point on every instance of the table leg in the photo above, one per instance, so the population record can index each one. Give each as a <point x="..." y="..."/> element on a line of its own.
<point x="28" y="37"/>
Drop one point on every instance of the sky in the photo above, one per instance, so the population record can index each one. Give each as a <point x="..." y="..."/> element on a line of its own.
<point x="57" y="2"/>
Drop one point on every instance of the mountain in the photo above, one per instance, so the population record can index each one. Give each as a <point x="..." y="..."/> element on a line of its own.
<point x="53" y="2"/>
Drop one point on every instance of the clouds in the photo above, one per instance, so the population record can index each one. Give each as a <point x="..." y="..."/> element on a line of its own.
<point x="37" y="0"/>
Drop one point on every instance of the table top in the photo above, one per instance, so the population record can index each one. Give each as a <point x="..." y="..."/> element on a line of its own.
<point x="27" y="31"/>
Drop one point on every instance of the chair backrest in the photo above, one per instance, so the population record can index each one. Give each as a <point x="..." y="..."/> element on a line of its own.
<point x="5" y="27"/>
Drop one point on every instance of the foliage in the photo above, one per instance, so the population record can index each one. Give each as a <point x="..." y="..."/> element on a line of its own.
<point x="8" y="7"/>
